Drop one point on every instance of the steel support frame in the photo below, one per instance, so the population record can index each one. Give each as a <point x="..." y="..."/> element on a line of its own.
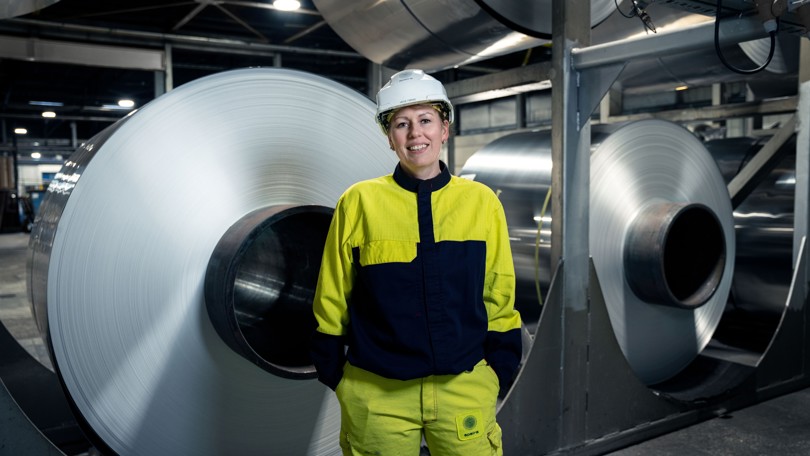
<point x="572" y="394"/>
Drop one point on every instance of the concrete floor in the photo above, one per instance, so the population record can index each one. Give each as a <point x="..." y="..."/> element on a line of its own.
<point x="780" y="426"/>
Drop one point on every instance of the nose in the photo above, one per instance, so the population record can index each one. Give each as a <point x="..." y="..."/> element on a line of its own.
<point x="414" y="130"/>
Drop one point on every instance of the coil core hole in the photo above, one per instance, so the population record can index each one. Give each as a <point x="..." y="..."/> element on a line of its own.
<point x="675" y="255"/>
<point x="261" y="283"/>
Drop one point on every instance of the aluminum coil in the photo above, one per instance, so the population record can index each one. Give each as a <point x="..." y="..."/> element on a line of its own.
<point x="16" y="8"/>
<point x="435" y="35"/>
<point x="121" y="253"/>
<point x="650" y="178"/>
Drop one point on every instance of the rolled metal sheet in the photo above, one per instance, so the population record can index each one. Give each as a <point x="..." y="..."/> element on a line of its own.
<point x="435" y="35"/>
<point x="14" y="8"/>
<point x="634" y="168"/>
<point x="641" y="165"/>
<point x="764" y="229"/>
<point x="130" y="225"/>
<point x="534" y="18"/>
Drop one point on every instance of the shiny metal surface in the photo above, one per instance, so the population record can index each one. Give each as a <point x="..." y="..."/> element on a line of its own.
<point x="637" y="165"/>
<point x="434" y="35"/>
<point x="675" y="254"/>
<point x="260" y="284"/>
<point x="14" y="8"/>
<point x="699" y="67"/>
<point x="518" y="168"/>
<point x="764" y="226"/>
<point x="130" y="227"/>
<point x="534" y="18"/>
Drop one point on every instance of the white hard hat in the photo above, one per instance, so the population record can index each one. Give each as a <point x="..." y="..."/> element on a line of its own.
<point x="407" y="88"/>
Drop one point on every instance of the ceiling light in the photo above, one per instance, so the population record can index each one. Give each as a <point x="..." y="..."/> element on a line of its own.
<point x="36" y="155"/>
<point x="286" y="5"/>
<point x="48" y="114"/>
<point x="126" y="103"/>
<point x="21" y="131"/>
<point x="680" y="88"/>
<point x="46" y="103"/>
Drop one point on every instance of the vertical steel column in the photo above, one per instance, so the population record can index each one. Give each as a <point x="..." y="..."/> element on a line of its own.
<point x="570" y="183"/>
<point x="802" y="187"/>
<point x="168" y="70"/>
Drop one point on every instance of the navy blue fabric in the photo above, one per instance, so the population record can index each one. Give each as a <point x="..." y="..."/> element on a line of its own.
<point x="425" y="317"/>
<point x="421" y="318"/>
<point x="328" y="355"/>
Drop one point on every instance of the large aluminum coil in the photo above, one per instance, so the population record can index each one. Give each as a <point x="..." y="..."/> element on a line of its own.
<point x="435" y="35"/>
<point x="230" y="169"/>
<point x="14" y="8"/>
<point x="764" y="230"/>
<point x="661" y="239"/>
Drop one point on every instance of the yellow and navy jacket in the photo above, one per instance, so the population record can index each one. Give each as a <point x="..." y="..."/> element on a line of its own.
<point x="416" y="279"/>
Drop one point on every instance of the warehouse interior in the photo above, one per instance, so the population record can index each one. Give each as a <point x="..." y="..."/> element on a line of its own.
<point x="652" y="158"/>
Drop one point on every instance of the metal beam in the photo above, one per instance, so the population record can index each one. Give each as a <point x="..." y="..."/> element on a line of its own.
<point x="685" y="39"/>
<point x="718" y="112"/>
<point x="159" y="39"/>
<point x="502" y="84"/>
<point x="570" y="187"/>
<point x="761" y="164"/>
<point x="37" y="50"/>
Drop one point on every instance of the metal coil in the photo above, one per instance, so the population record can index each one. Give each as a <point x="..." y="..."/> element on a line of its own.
<point x="661" y="238"/>
<point x="435" y="35"/>
<point x="132" y="224"/>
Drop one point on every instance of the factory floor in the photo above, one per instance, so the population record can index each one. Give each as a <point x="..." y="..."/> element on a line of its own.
<point x="780" y="426"/>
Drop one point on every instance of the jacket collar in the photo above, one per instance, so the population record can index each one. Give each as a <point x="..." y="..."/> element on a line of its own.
<point x="418" y="185"/>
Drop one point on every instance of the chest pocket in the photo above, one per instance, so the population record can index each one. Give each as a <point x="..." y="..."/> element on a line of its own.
<point x="382" y="252"/>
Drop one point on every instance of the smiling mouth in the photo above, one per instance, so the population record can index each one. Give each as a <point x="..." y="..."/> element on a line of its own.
<point x="417" y="148"/>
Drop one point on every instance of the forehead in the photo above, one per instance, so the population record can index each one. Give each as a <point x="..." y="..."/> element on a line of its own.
<point x="415" y="110"/>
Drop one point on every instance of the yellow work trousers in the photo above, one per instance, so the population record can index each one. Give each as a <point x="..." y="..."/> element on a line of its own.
<point x="386" y="417"/>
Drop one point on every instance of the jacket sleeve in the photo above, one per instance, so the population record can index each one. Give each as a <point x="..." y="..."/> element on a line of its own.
<point x="331" y="302"/>
<point x="503" y="348"/>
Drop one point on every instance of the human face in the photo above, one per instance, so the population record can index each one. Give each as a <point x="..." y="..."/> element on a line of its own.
<point x="416" y="134"/>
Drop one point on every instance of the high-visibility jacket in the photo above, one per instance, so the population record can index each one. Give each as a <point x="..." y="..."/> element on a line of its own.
<point x="416" y="279"/>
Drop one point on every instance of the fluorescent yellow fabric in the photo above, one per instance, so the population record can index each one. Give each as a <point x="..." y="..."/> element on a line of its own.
<point x="429" y="273"/>
<point x="386" y="417"/>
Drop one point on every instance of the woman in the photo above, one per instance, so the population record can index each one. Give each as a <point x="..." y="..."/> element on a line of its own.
<point x="417" y="329"/>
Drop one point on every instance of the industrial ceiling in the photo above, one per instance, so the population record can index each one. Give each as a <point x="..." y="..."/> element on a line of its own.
<point x="85" y="55"/>
<point x="77" y="58"/>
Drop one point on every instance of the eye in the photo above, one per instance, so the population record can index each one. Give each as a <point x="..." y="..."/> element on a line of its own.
<point x="401" y="124"/>
<point x="426" y="121"/>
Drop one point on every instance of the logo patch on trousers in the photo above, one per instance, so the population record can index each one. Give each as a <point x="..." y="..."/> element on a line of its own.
<point x="468" y="425"/>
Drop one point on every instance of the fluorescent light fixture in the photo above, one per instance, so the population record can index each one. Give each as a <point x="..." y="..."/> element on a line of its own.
<point x="21" y="131"/>
<point x="286" y="5"/>
<point x="126" y="103"/>
<point x="36" y="155"/>
<point x="54" y="104"/>
<point x="48" y="114"/>
<point x="683" y="87"/>
<point x="111" y="107"/>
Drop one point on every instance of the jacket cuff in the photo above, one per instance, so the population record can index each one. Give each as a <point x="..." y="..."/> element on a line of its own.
<point x="503" y="354"/>
<point x="328" y="355"/>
